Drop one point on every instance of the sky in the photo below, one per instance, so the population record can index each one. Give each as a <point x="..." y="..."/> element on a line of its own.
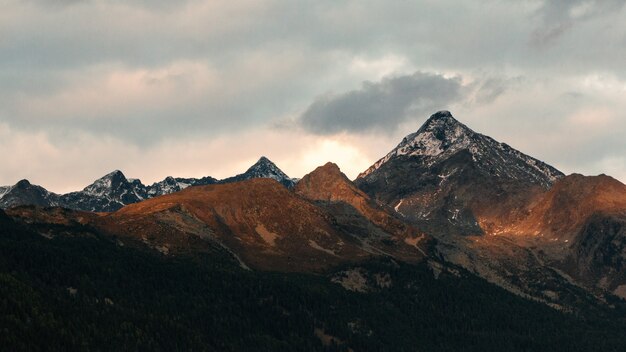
<point x="195" y="88"/>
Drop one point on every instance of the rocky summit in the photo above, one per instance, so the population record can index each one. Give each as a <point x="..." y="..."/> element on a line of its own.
<point x="263" y="168"/>
<point x="448" y="176"/>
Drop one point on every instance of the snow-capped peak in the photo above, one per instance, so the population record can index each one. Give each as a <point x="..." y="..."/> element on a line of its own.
<point x="105" y="184"/>
<point x="438" y="134"/>
<point x="442" y="136"/>
<point x="264" y="167"/>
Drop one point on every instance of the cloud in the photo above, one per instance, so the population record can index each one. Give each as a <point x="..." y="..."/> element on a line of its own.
<point x="144" y="105"/>
<point x="76" y="161"/>
<point x="486" y="89"/>
<point x="55" y="4"/>
<point x="395" y="101"/>
<point x="559" y="16"/>
<point x="381" y="105"/>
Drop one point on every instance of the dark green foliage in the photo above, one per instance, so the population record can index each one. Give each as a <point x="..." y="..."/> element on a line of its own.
<point x="129" y="299"/>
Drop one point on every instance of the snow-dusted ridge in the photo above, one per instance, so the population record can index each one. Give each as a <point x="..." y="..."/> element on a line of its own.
<point x="442" y="136"/>
<point x="105" y="185"/>
<point x="167" y="186"/>
<point x="23" y="192"/>
<point x="113" y="190"/>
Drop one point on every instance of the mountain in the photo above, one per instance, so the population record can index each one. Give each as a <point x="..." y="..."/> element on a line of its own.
<point x="509" y="218"/>
<point x="442" y="136"/>
<point x="108" y="193"/>
<point x="263" y="168"/>
<point x="174" y="184"/>
<point x="560" y="213"/>
<point x="24" y="192"/>
<point x="447" y="177"/>
<point x="353" y="209"/>
<point x="580" y="227"/>
<point x="113" y="191"/>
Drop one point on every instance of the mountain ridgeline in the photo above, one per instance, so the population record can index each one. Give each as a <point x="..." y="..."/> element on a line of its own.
<point x="452" y="241"/>
<point x="113" y="191"/>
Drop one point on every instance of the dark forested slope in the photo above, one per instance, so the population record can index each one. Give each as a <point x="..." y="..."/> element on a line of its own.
<point x="82" y="291"/>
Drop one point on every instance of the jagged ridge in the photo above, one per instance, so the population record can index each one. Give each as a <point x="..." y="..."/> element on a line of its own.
<point x="113" y="191"/>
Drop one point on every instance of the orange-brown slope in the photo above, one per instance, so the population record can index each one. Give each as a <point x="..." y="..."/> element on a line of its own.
<point x="562" y="211"/>
<point x="585" y="219"/>
<point x="266" y="225"/>
<point x="357" y="211"/>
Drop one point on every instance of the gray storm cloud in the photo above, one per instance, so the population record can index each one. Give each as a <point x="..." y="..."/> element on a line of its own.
<point x="381" y="105"/>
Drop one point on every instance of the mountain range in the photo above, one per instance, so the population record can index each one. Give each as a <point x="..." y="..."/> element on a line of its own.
<point x="446" y="198"/>
<point x="113" y="191"/>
